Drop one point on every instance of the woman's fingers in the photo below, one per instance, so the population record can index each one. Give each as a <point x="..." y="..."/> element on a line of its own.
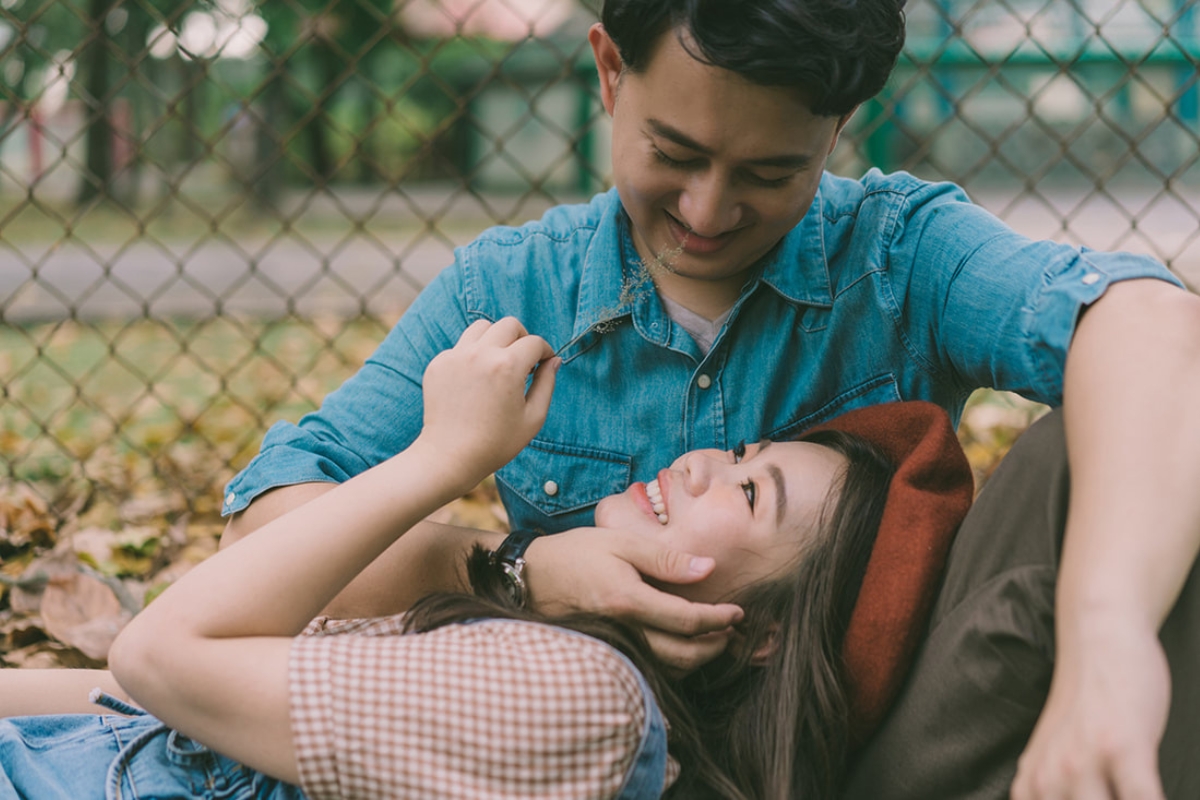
<point x="474" y="332"/>
<point x="479" y="403"/>
<point x="504" y="332"/>
<point x="537" y="399"/>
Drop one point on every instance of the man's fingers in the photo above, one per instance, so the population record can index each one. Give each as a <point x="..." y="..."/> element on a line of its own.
<point x="665" y="564"/>
<point x="1136" y="778"/>
<point x="673" y="614"/>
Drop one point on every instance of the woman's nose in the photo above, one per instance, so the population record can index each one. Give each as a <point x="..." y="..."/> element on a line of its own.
<point x="697" y="472"/>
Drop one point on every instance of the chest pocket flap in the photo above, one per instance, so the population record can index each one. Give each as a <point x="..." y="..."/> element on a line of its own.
<point x="558" y="478"/>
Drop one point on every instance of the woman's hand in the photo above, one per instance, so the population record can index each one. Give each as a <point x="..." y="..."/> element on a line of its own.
<point x="478" y="414"/>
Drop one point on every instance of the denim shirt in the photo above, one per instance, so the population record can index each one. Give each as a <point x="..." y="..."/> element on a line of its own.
<point x="890" y="288"/>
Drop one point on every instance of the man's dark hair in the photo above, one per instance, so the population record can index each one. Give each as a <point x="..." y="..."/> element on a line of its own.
<point x="838" y="53"/>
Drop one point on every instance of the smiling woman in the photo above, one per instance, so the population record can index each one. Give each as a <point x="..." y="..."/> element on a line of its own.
<point x="428" y="703"/>
<point x="754" y="509"/>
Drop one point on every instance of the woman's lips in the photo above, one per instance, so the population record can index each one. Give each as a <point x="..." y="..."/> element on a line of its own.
<point x="637" y="491"/>
<point x="694" y="243"/>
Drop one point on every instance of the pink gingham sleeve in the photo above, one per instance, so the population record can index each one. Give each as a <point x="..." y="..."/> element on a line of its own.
<point x="491" y="709"/>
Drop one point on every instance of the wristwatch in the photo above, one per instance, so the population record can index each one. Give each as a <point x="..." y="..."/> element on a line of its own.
<point x="509" y="559"/>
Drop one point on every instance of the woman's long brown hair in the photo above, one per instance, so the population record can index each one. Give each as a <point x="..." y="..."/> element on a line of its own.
<point x="747" y="726"/>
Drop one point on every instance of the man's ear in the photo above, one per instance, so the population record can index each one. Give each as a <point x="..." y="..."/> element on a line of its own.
<point x="608" y="64"/>
<point x="766" y="649"/>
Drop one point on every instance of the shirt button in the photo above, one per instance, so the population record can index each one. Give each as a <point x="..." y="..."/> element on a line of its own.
<point x="229" y="498"/>
<point x="704" y="381"/>
<point x="1090" y="278"/>
<point x="550" y="488"/>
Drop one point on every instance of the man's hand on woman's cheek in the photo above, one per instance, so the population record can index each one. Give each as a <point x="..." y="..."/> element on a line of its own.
<point x="606" y="571"/>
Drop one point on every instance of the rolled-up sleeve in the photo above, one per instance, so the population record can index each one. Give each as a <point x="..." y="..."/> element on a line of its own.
<point x="994" y="308"/>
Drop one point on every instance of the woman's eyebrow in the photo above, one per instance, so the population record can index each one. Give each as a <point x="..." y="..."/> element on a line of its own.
<point x="780" y="493"/>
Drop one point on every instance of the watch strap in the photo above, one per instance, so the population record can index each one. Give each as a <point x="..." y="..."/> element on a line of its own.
<point x="515" y="544"/>
<point x="509" y="560"/>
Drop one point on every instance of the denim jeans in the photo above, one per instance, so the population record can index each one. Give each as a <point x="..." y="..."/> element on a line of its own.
<point x="116" y="757"/>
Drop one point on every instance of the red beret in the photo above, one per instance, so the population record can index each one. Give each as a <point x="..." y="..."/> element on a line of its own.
<point x="928" y="498"/>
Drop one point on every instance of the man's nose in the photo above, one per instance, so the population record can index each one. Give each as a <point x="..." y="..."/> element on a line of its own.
<point x="709" y="205"/>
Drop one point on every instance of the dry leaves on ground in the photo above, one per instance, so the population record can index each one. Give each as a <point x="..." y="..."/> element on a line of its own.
<point x="67" y="589"/>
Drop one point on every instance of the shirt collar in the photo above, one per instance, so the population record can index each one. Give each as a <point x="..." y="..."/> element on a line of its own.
<point x="601" y="281"/>
<point x="612" y="285"/>
<point x="797" y="269"/>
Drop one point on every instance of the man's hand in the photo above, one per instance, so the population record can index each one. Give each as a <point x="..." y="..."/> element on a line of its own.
<point x="604" y="571"/>
<point x="1098" y="736"/>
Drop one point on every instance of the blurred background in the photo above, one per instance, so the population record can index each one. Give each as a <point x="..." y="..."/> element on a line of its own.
<point x="211" y="211"/>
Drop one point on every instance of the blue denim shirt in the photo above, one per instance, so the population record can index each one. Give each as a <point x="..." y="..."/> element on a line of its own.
<point x="890" y="288"/>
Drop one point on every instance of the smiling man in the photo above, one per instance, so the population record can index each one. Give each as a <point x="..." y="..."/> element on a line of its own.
<point x="729" y="289"/>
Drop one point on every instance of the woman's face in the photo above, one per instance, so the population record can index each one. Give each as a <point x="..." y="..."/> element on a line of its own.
<point x="751" y="509"/>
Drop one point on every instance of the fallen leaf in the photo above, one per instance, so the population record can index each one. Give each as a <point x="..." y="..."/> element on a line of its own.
<point x="81" y="611"/>
<point x="25" y="519"/>
<point x="50" y="655"/>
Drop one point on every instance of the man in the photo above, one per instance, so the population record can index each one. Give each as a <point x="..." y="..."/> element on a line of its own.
<point x="729" y="290"/>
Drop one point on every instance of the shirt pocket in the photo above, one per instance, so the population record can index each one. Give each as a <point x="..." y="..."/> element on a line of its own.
<point x="560" y="479"/>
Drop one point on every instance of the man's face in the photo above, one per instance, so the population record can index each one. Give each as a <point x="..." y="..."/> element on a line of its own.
<point x="709" y="162"/>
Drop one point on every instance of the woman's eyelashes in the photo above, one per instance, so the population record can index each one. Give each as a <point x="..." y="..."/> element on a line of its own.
<point x="750" y="489"/>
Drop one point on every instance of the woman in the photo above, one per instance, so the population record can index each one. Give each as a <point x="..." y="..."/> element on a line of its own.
<point x="483" y="703"/>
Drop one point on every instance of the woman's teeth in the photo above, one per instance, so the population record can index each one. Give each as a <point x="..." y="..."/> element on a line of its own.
<point x="656" y="499"/>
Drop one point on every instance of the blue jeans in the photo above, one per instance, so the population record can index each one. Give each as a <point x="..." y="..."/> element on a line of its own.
<point x="114" y="757"/>
<point x="84" y="756"/>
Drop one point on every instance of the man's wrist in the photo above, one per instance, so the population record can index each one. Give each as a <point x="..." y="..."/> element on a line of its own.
<point x="509" y="561"/>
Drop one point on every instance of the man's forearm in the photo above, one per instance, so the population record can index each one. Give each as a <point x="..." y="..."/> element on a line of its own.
<point x="1133" y="436"/>
<point x="430" y="557"/>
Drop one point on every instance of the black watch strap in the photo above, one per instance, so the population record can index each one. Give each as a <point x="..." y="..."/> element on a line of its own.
<point x="509" y="559"/>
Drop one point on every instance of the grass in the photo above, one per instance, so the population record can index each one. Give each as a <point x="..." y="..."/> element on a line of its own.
<point x="159" y="400"/>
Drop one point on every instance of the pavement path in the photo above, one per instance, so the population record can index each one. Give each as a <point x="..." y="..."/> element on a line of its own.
<point x="335" y="274"/>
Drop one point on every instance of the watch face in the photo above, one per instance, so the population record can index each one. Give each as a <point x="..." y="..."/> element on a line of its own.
<point x="514" y="581"/>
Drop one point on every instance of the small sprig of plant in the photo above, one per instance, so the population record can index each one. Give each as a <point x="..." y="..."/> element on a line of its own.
<point x="637" y="286"/>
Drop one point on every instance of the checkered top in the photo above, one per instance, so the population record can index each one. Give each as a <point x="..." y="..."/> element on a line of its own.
<point x="491" y="709"/>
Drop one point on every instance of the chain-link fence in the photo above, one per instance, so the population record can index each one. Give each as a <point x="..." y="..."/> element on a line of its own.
<point x="210" y="210"/>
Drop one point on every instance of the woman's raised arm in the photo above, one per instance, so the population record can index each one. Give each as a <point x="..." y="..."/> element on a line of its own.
<point x="210" y="655"/>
